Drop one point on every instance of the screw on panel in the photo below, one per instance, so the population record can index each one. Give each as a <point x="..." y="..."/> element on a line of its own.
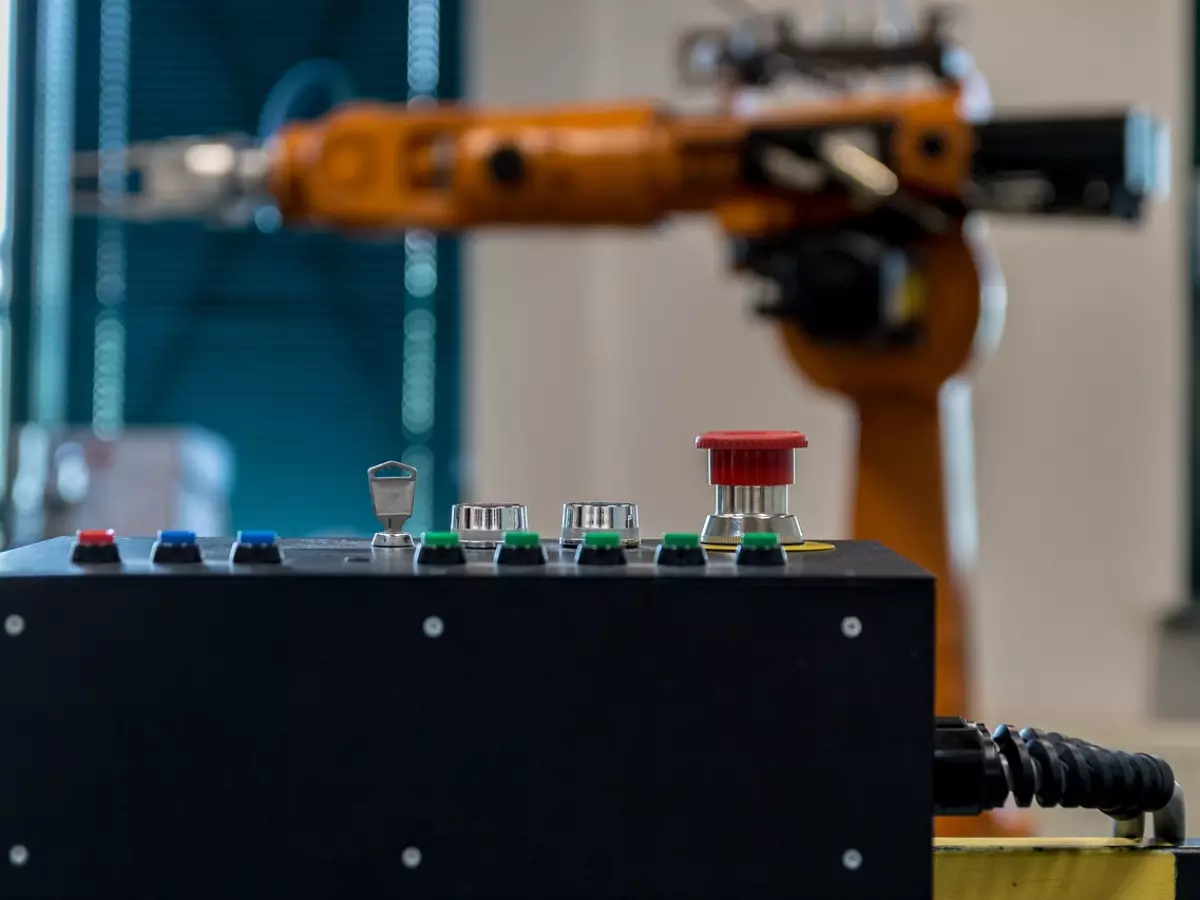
<point x="852" y="859"/>
<point x="851" y="626"/>
<point x="18" y="854"/>
<point x="434" y="627"/>
<point x="411" y="857"/>
<point x="14" y="625"/>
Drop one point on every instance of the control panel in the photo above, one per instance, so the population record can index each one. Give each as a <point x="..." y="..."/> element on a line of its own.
<point x="480" y="711"/>
<point x="433" y="553"/>
<point x="751" y="526"/>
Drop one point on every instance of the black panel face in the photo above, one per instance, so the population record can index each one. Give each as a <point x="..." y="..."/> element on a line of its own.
<point x="522" y="737"/>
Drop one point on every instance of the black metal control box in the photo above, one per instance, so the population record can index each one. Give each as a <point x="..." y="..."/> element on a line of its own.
<point x="350" y="725"/>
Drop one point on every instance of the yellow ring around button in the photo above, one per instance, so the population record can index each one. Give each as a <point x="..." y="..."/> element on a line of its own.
<point x="807" y="546"/>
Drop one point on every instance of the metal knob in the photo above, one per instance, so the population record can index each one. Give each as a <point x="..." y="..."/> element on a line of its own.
<point x="599" y="515"/>
<point x="481" y="526"/>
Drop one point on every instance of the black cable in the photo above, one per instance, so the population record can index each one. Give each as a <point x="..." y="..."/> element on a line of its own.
<point x="975" y="771"/>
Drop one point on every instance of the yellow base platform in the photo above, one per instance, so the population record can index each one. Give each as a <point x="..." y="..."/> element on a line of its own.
<point x="1069" y="869"/>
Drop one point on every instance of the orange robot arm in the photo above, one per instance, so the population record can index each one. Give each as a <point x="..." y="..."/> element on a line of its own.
<point x="381" y="167"/>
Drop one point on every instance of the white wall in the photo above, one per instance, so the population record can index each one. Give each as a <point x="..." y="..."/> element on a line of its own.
<point x="594" y="360"/>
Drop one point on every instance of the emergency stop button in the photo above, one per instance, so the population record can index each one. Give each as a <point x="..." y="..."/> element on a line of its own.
<point x="751" y="472"/>
<point x="751" y="458"/>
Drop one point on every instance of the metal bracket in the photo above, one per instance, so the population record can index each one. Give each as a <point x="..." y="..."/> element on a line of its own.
<point x="392" y="498"/>
<point x="1170" y="823"/>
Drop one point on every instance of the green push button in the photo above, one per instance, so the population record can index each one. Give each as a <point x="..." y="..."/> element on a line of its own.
<point x="760" y="540"/>
<point x="440" y="539"/>
<point x="521" y="539"/>
<point x="604" y="540"/>
<point x="680" y="540"/>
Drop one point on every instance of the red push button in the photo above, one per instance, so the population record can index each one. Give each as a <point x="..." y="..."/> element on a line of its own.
<point x="751" y="458"/>
<point x="96" y="537"/>
<point x="95" y="546"/>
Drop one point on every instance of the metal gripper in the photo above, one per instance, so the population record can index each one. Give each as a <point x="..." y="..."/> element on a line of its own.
<point x="393" y="491"/>
<point x="219" y="180"/>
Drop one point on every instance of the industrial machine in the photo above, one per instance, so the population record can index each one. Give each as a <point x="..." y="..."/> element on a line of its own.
<point x="484" y="713"/>
<point x="853" y="212"/>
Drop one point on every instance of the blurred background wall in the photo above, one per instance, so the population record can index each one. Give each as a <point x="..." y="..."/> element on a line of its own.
<point x="628" y="346"/>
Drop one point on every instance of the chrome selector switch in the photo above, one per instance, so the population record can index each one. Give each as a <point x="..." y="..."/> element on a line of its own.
<point x="600" y="515"/>
<point x="481" y="526"/>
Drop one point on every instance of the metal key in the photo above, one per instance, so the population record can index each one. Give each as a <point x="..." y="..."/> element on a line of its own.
<point x="393" y="491"/>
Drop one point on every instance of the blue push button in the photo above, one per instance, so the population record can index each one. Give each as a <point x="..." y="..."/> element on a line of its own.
<point x="257" y="538"/>
<point x="256" y="547"/>
<point x="177" y="538"/>
<point x="175" y="548"/>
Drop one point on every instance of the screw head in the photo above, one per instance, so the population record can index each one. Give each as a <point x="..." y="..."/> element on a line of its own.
<point x="411" y="857"/>
<point x="433" y="627"/>
<point x="852" y="859"/>
<point x="852" y="626"/>
<point x="18" y="855"/>
<point x="14" y="625"/>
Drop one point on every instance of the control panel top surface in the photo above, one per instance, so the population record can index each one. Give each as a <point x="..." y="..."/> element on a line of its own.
<point x="356" y="557"/>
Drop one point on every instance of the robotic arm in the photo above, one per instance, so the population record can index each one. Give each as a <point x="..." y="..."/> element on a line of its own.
<point x="825" y="203"/>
